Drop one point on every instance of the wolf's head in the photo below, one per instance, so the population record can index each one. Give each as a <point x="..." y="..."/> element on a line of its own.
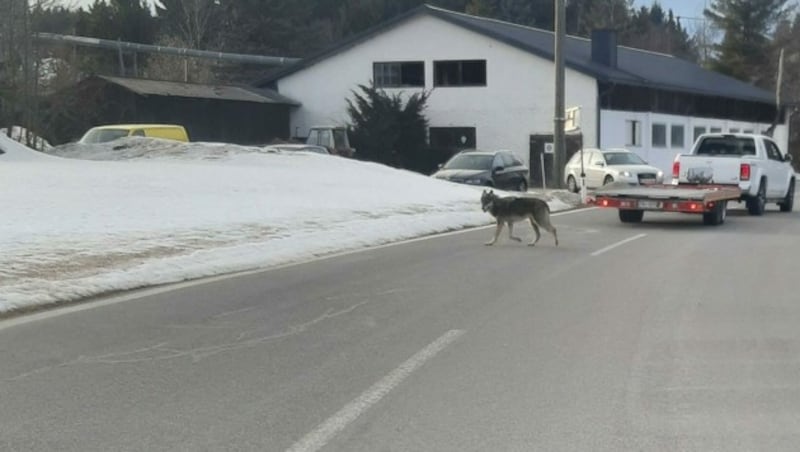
<point x="487" y="199"/>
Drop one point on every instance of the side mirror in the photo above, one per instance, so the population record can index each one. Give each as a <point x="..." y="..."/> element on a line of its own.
<point x="440" y="165"/>
<point x="497" y="169"/>
<point x="787" y="158"/>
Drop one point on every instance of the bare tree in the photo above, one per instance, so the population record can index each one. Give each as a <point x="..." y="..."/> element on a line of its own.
<point x="171" y="67"/>
<point x="186" y="23"/>
<point x="704" y="34"/>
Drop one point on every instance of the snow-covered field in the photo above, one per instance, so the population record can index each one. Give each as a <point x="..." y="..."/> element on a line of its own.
<point x="153" y="212"/>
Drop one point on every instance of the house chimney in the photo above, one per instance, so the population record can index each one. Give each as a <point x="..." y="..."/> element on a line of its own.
<point x="604" y="47"/>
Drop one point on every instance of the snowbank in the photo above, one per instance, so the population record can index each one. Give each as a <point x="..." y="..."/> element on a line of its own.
<point x="153" y="213"/>
<point x="11" y="150"/>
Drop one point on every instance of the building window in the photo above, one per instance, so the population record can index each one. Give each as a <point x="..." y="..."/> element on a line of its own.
<point x="747" y="131"/>
<point x="676" y="136"/>
<point x="715" y="130"/>
<point x="399" y="74"/>
<point x="734" y="130"/>
<point x="699" y="130"/>
<point x="459" y="73"/>
<point x="659" y="136"/>
<point x="633" y="133"/>
<point x="452" y="138"/>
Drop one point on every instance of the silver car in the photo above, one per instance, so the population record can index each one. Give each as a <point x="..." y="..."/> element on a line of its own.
<point x="604" y="166"/>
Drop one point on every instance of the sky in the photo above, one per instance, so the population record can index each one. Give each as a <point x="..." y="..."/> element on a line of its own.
<point x="683" y="8"/>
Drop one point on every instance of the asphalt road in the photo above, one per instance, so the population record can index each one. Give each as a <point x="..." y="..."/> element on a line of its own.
<point x="668" y="335"/>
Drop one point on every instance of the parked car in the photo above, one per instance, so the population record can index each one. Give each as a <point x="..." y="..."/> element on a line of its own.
<point x="332" y="138"/>
<point x="500" y="169"/>
<point x="604" y="166"/>
<point x="104" y="134"/>
<point x="297" y="148"/>
<point x="752" y="162"/>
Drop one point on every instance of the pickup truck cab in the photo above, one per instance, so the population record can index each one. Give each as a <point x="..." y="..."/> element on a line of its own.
<point x="752" y="162"/>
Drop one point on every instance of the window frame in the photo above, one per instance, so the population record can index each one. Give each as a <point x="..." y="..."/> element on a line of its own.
<point x="672" y="129"/>
<point x="379" y="82"/>
<point x="437" y="67"/>
<point x="633" y="129"/>
<point x="652" y="135"/>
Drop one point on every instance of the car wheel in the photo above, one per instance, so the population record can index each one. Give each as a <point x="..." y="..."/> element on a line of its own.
<point x="788" y="202"/>
<point x="608" y="180"/>
<point x="757" y="204"/>
<point x="572" y="185"/>
<point x="522" y="186"/>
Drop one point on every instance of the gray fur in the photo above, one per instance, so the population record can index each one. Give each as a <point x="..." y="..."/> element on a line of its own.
<point x="511" y="209"/>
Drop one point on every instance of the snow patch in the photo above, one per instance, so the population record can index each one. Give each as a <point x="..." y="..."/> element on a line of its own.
<point x="139" y="212"/>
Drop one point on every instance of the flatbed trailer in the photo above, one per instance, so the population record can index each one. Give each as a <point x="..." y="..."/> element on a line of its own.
<point x="711" y="201"/>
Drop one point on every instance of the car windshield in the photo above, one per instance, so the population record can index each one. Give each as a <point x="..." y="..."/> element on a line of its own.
<point x="103" y="135"/>
<point x="623" y="158"/>
<point x="470" y="162"/>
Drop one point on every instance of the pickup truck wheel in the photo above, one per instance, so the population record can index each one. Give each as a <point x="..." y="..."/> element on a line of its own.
<point x="631" y="216"/>
<point x="788" y="202"/>
<point x="608" y="180"/>
<point x="757" y="204"/>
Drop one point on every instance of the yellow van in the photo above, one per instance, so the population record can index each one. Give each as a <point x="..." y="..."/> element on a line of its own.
<point x="103" y="134"/>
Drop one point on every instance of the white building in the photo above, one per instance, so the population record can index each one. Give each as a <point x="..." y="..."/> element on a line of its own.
<point x="493" y="87"/>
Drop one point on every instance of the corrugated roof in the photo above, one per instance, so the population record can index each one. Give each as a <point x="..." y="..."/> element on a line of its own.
<point x="219" y="92"/>
<point x="634" y="67"/>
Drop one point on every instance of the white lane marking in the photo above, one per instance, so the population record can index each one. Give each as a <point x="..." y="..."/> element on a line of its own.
<point x="136" y="294"/>
<point x="615" y="245"/>
<point x="320" y="436"/>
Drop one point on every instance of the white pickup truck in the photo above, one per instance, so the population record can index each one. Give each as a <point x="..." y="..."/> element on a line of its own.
<point x="752" y="162"/>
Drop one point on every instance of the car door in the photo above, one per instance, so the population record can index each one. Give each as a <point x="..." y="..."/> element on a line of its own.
<point x="500" y="173"/>
<point x="776" y="170"/>
<point x="596" y="169"/>
<point x="514" y="169"/>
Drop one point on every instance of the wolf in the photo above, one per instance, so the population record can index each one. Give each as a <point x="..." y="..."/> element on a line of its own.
<point x="508" y="210"/>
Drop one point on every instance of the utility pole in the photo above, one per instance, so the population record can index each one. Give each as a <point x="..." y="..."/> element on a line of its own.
<point x="559" y="141"/>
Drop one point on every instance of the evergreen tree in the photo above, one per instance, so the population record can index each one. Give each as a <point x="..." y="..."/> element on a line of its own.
<point x="745" y="48"/>
<point x="385" y="129"/>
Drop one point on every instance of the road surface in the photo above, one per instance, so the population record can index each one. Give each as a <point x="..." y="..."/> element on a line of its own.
<point x="668" y="335"/>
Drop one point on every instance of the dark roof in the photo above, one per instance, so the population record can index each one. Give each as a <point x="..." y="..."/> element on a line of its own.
<point x="634" y="67"/>
<point x="220" y="92"/>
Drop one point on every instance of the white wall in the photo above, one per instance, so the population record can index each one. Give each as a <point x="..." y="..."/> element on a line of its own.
<point x="517" y="101"/>
<point x="613" y="133"/>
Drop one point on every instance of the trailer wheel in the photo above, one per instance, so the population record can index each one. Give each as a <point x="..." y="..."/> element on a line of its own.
<point x="717" y="216"/>
<point x="631" y="216"/>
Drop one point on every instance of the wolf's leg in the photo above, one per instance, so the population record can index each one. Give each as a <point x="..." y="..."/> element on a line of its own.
<point x="535" y="230"/>
<point x="496" y="233"/>
<point x="544" y="222"/>
<point x="511" y="232"/>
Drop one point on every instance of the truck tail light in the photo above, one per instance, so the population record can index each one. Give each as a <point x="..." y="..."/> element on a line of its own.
<point x="676" y="169"/>
<point x="744" y="171"/>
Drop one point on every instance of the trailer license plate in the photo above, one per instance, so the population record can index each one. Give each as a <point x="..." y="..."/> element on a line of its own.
<point x="649" y="204"/>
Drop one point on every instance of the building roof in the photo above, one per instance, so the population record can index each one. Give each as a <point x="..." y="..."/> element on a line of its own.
<point x="635" y="67"/>
<point x="147" y="87"/>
